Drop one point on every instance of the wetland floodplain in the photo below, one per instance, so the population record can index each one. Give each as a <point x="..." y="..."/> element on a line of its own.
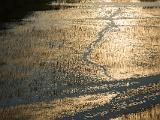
<point x="87" y="59"/>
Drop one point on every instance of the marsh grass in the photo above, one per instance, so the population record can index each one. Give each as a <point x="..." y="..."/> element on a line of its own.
<point x="59" y="107"/>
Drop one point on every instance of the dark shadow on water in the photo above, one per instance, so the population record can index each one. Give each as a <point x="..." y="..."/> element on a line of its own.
<point x="15" y="10"/>
<point x="52" y="84"/>
<point x="124" y="103"/>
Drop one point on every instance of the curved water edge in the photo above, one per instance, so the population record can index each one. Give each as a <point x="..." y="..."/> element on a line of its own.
<point x="88" y="51"/>
<point x="125" y="102"/>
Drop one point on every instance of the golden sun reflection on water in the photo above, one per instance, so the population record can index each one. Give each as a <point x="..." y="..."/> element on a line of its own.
<point x="135" y="49"/>
<point x="131" y="53"/>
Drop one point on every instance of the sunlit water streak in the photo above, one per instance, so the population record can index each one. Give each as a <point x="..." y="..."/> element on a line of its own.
<point x="110" y="27"/>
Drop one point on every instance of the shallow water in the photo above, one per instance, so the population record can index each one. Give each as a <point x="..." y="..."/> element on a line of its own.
<point x="99" y="50"/>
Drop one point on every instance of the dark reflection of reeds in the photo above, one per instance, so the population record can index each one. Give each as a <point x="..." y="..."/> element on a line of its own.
<point x="16" y="9"/>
